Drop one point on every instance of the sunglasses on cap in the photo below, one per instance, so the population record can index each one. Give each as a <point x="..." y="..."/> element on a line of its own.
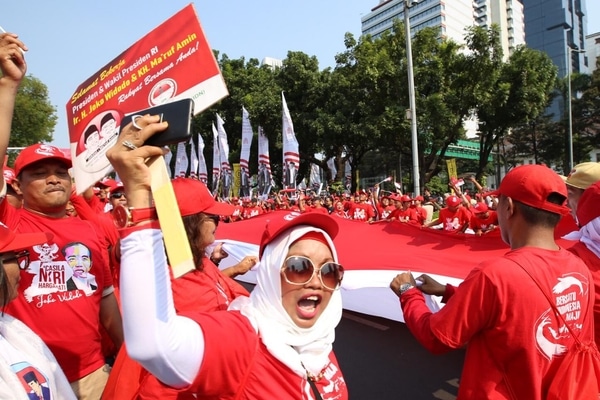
<point x="21" y="257"/>
<point x="299" y="270"/>
<point x="117" y="195"/>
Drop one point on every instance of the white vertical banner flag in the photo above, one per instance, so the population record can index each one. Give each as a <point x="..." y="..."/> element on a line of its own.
<point x="181" y="161"/>
<point x="291" y="155"/>
<point x="216" y="171"/>
<point x="168" y="158"/>
<point x="226" y="175"/>
<point x="348" y="175"/>
<point x="264" y="179"/>
<point x="332" y="168"/>
<point x="194" y="163"/>
<point x="202" y="171"/>
<point x="315" y="177"/>
<point x="247" y="135"/>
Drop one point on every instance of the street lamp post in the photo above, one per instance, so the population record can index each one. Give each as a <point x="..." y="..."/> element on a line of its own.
<point x="568" y="52"/>
<point x="411" y="99"/>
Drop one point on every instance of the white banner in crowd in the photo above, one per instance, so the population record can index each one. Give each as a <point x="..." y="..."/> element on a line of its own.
<point x="291" y="155"/>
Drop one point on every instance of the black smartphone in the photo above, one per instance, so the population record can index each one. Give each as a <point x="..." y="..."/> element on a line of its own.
<point x="178" y="114"/>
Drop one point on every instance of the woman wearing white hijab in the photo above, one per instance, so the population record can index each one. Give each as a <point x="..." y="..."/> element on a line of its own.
<point x="277" y="343"/>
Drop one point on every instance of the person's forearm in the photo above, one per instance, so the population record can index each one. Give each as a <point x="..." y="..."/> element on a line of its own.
<point x="110" y="317"/>
<point x="171" y="347"/>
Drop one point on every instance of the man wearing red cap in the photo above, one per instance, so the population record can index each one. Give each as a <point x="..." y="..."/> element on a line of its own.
<point x="68" y="321"/>
<point x="362" y="210"/>
<point x="454" y="217"/>
<point x="403" y="211"/>
<point x="504" y="311"/>
<point x="483" y="219"/>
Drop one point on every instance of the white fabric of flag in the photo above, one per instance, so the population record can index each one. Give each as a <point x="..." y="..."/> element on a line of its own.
<point x="348" y="175"/>
<point x="168" y="158"/>
<point x="264" y="179"/>
<point x="247" y="135"/>
<point x="332" y="168"/>
<point x="202" y="171"/>
<point x="216" y="171"/>
<point x="226" y="175"/>
<point x="181" y="161"/>
<point x="291" y="155"/>
<point x="194" y="163"/>
<point x="315" y="177"/>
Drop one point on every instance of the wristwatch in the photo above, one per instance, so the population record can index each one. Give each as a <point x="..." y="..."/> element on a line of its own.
<point x="128" y="216"/>
<point x="404" y="287"/>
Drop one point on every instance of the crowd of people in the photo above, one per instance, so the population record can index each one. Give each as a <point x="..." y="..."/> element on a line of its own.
<point x="94" y="265"/>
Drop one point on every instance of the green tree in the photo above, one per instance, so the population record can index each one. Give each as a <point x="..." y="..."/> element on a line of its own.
<point x="35" y="117"/>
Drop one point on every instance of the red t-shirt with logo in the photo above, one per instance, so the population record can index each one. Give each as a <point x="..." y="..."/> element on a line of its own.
<point x="58" y="299"/>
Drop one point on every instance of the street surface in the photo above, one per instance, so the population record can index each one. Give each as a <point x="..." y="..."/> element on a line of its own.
<point x="381" y="360"/>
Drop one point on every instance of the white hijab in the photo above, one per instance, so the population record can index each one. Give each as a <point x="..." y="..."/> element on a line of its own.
<point x="290" y="344"/>
<point x="589" y="234"/>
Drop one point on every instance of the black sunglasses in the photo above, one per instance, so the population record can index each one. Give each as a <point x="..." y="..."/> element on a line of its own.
<point x="117" y="195"/>
<point x="299" y="270"/>
<point x="213" y="218"/>
<point x="22" y="258"/>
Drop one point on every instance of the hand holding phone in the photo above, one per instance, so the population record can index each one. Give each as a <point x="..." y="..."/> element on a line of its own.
<point x="178" y="114"/>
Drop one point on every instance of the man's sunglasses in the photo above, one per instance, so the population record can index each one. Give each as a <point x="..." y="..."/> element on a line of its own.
<point x="299" y="270"/>
<point x="117" y="195"/>
<point x="22" y="258"/>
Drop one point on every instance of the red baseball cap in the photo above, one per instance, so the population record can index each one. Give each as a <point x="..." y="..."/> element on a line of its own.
<point x="38" y="152"/>
<point x="405" y="198"/>
<point x="282" y="221"/>
<point x="453" y="201"/>
<point x="531" y="185"/>
<point x="480" y="208"/>
<point x="9" y="175"/>
<point x="11" y="241"/>
<point x="116" y="187"/>
<point x="193" y="197"/>
<point x="587" y="207"/>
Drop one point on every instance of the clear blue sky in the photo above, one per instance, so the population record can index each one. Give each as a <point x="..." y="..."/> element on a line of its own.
<point x="69" y="40"/>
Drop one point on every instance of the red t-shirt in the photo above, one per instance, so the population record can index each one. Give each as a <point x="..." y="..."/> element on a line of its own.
<point x="593" y="263"/>
<point x="250" y="212"/>
<point x="408" y="215"/>
<point x="485" y="225"/>
<point x="504" y="319"/>
<point x="384" y="212"/>
<point x="454" y="221"/>
<point x="62" y="309"/>
<point x="362" y="211"/>
<point x="230" y="359"/>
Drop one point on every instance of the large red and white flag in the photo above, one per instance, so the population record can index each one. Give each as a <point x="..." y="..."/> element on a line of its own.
<point x="247" y="135"/>
<point x="202" y="171"/>
<point x="264" y="179"/>
<point x="291" y="155"/>
<point x="181" y="161"/>
<point x="226" y="175"/>
<point x="216" y="171"/>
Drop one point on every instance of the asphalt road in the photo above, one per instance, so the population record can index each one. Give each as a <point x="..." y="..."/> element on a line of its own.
<point x="381" y="360"/>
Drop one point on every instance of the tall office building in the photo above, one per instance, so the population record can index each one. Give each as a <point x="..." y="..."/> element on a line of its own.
<point x="592" y="50"/>
<point x="452" y="17"/>
<point x="558" y="27"/>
